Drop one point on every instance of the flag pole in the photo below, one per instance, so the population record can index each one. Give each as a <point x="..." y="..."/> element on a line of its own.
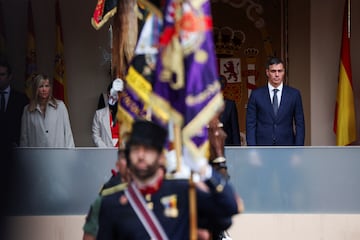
<point x="192" y="187"/>
<point x="178" y="146"/>
<point x="192" y="208"/>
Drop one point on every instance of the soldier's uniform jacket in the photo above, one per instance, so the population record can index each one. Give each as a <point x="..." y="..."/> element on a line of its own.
<point x="170" y="204"/>
<point x="91" y="225"/>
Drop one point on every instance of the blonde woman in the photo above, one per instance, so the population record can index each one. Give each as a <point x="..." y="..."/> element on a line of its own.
<point x="45" y="121"/>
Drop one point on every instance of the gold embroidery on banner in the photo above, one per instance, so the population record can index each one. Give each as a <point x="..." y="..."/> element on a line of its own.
<point x="130" y="105"/>
<point x="201" y="56"/>
<point x="210" y="90"/>
<point x="139" y="84"/>
<point x="172" y="59"/>
<point x="201" y="119"/>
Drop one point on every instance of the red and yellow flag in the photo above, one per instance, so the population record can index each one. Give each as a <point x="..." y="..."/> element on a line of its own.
<point x="344" y="121"/>
<point x="31" y="66"/>
<point x="59" y="86"/>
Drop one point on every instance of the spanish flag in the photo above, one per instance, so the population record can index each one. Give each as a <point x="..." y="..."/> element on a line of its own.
<point x="344" y="121"/>
<point x="31" y="66"/>
<point x="59" y="86"/>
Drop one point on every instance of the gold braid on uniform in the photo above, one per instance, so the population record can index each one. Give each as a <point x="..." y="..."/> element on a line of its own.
<point x="114" y="189"/>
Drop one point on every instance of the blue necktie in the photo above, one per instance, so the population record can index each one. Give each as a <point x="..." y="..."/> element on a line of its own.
<point x="275" y="101"/>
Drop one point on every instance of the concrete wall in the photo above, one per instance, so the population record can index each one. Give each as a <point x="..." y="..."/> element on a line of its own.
<point x="314" y="35"/>
<point x="245" y="227"/>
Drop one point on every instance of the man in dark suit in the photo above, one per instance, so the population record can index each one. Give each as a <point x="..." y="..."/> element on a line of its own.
<point x="12" y="104"/>
<point x="274" y="112"/>
<point x="229" y="118"/>
<point x="11" y="107"/>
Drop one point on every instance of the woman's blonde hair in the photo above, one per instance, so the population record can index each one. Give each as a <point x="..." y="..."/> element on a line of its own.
<point x="36" y="82"/>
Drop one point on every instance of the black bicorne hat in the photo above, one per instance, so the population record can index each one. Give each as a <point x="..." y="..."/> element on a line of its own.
<point x="147" y="133"/>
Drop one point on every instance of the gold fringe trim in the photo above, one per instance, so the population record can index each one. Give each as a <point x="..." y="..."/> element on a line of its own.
<point x="112" y="190"/>
<point x="106" y="18"/>
<point x="201" y="119"/>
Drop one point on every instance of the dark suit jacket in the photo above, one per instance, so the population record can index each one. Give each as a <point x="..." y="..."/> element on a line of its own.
<point x="229" y="118"/>
<point x="264" y="128"/>
<point x="12" y="120"/>
<point x="118" y="220"/>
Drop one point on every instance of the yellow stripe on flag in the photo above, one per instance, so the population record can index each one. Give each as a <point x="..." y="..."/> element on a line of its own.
<point x="346" y="123"/>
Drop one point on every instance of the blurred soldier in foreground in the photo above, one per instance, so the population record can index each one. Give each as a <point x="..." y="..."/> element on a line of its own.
<point x="158" y="208"/>
<point x="118" y="179"/>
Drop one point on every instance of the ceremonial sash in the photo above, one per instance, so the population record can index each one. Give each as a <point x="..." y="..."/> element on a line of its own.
<point x="147" y="217"/>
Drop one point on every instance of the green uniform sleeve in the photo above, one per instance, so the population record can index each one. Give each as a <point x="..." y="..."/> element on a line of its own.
<point x="91" y="225"/>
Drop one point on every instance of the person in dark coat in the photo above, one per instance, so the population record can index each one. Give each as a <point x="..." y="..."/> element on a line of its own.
<point x="12" y="104"/>
<point x="274" y="112"/>
<point x="116" y="182"/>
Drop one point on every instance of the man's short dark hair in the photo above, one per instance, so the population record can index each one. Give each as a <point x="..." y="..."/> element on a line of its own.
<point x="274" y="60"/>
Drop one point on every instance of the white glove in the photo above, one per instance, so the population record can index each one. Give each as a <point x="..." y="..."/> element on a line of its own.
<point x="171" y="166"/>
<point x="117" y="86"/>
<point x="195" y="164"/>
